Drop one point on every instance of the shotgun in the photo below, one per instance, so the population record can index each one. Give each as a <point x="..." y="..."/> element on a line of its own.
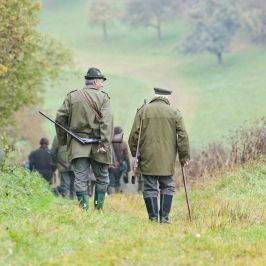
<point x="117" y="139"/>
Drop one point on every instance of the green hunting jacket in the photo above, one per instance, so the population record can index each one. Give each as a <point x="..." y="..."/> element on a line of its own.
<point x="60" y="157"/>
<point x="77" y="115"/>
<point x="163" y="136"/>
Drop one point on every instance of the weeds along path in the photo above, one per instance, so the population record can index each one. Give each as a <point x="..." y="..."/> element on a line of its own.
<point x="151" y="71"/>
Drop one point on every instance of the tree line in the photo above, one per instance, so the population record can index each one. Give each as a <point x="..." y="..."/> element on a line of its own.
<point x="212" y="23"/>
<point x="29" y="59"/>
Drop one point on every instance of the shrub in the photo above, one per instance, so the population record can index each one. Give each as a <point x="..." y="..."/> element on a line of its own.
<point x="245" y="145"/>
<point x="22" y="192"/>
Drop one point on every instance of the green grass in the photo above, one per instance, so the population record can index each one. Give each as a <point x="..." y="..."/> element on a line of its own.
<point x="228" y="95"/>
<point x="228" y="225"/>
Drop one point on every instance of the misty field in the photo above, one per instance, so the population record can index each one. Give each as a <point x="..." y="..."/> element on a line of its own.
<point x="227" y="190"/>
<point x="213" y="99"/>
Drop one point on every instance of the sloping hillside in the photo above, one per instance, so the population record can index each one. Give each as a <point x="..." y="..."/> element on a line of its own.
<point x="213" y="99"/>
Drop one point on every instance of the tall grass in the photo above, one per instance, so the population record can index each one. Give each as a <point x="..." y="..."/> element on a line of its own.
<point x="228" y="226"/>
<point x="246" y="144"/>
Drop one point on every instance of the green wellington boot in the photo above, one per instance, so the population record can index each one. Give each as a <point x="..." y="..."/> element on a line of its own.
<point x="99" y="199"/>
<point x="83" y="200"/>
<point x="95" y="198"/>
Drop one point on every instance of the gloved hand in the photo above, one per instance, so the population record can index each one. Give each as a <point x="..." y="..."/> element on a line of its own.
<point x="101" y="150"/>
<point x="183" y="163"/>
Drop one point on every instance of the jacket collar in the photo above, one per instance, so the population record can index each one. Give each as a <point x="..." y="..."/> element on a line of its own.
<point x="90" y="87"/>
<point x="44" y="147"/>
<point x="157" y="99"/>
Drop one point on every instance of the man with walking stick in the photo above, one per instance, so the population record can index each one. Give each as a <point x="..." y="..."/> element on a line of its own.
<point x="157" y="135"/>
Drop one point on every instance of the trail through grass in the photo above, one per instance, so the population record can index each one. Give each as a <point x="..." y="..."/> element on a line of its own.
<point x="228" y="226"/>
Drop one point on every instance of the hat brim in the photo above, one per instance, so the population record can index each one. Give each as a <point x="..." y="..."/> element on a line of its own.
<point x="102" y="77"/>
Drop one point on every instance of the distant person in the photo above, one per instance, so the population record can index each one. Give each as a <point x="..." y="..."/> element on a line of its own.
<point x="120" y="166"/>
<point x="87" y="113"/>
<point x="67" y="176"/>
<point x="41" y="160"/>
<point x="162" y="136"/>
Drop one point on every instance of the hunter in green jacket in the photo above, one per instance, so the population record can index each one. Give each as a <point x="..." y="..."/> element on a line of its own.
<point x="87" y="113"/>
<point x="162" y="137"/>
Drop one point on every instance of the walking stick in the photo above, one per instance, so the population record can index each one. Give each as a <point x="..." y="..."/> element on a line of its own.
<point x="185" y="186"/>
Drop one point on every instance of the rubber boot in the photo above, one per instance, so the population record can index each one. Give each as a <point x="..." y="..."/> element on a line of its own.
<point x="165" y="207"/>
<point x="95" y="198"/>
<point x="83" y="199"/>
<point x="152" y="208"/>
<point x="100" y="200"/>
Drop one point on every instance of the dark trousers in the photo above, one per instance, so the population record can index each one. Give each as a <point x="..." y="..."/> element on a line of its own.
<point x="151" y="183"/>
<point x="67" y="188"/>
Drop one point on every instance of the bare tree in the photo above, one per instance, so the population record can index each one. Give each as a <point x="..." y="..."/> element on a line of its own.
<point x="254" y="18"/>
<point x="151" y="13"/>
<point x="102" y="13"/>
<point x="215" y="23"/>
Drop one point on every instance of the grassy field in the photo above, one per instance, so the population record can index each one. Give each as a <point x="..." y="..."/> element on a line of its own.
<point x="228" y="225"/>
<point x="213" y="99"/>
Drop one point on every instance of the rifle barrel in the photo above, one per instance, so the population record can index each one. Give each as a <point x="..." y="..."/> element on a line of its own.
<point x="117" y="139"/>
<point x="79" y="139"/>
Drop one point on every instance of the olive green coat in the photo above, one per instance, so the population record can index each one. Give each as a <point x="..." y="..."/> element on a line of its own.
<point x="163" y="135"/>
<point x="59" y="153"/>
<point x="76" y="115"/>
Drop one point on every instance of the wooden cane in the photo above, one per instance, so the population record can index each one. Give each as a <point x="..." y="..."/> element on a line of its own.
<point x="185" y="186"/>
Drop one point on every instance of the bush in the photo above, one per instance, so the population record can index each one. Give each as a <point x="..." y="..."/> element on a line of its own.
<point x="22" y="192"/>
<point x="245" y="145"/>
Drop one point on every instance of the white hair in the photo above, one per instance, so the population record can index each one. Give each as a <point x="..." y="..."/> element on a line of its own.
<point x="89" y="81"/>
<point x="168" y="97"/>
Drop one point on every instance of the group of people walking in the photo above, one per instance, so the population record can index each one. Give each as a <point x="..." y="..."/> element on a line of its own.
<point x="157" y="136"/>
<point x="46" y="161"/>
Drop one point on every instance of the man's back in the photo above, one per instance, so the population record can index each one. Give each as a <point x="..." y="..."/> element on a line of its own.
<point x="82" y="117"/>
<point x="158" y="141"/>
<point x="41" y="160"/>
<point x="89" y="115"/>
<point x="157" y="135"/>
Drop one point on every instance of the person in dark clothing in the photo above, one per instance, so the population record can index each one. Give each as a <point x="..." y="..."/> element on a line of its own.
<point x="41" y="161"/>
<point x="120" y="166"/>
